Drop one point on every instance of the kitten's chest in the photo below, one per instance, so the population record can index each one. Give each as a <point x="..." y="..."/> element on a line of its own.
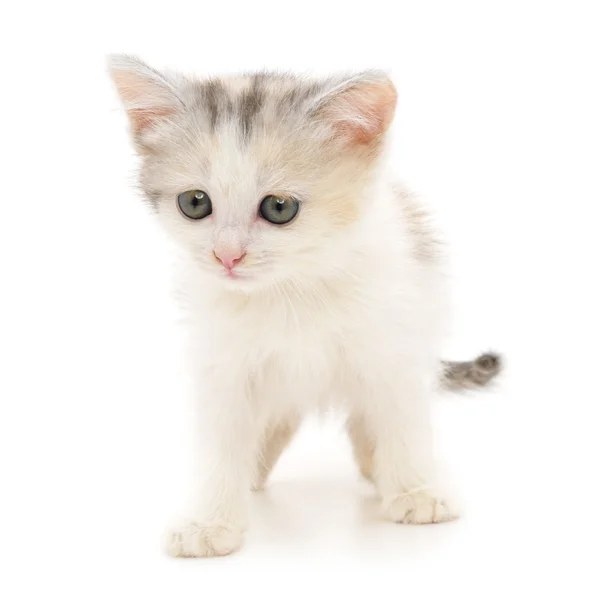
<point x="284" y="341"/>
<point x="303" y="342"/>
<point x="297" y="338"/>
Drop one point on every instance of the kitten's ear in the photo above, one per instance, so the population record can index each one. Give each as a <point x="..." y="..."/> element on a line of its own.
<point x="361" y="108"/>
<point x="148" y="96"/>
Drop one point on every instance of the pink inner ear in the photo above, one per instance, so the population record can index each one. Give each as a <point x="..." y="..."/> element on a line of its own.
<point x="146" y="101"/>
<point x="142" y="118"/>
<point x="364" y="112"/>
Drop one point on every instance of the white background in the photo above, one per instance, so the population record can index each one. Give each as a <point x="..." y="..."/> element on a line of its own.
<point x="497" y="128"/>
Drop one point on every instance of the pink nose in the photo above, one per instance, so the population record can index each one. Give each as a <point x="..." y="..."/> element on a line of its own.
<point x="230" y="259"/>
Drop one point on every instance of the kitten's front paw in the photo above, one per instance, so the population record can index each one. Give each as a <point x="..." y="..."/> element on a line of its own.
<point x="419" y="507"/>
<point x="197" y="539"/>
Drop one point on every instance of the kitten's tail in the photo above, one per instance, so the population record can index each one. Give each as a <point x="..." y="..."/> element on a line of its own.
<point x="471" y="374"/>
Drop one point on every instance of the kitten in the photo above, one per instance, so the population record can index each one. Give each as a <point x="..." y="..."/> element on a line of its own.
<point x="313" y="280"/>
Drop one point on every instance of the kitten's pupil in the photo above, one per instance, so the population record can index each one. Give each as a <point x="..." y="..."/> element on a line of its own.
<point x="196" y="199"/>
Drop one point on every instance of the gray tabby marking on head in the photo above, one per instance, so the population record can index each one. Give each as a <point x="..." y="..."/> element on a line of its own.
<point x="213" y="96"/>
<point x="251" y="102"/>
<point x="247" y="99"/>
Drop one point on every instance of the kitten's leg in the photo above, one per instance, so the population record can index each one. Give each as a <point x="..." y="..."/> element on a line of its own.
<point x="276" y="438"/>
<point x="398" y="420"/>
<point x="227" y="444"/>
<point x="363" y="446"/>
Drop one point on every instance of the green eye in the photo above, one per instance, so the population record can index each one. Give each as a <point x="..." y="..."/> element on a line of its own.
<point x="195" y="204"/>
<point x="278" y="210"/>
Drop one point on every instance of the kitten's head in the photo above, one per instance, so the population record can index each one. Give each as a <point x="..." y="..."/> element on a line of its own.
<point x="262" y="178"/>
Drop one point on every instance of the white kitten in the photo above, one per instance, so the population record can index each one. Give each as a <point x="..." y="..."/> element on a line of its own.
<point x="313" y="279"/>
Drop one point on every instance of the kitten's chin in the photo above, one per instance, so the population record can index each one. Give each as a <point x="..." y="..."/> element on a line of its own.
<point x="238" y="284"/>
<point x="241" y="282"/>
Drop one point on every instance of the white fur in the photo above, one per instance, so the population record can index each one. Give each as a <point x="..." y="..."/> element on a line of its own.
<point x="369" y="344"/>
<point x="342" y="307"/>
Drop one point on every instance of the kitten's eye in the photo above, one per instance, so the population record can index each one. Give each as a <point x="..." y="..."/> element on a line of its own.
<point x="195" y="204"/>
<point x="279" y="210"/>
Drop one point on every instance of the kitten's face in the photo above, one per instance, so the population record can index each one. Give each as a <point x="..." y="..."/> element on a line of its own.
<point x="262" y="179"/>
